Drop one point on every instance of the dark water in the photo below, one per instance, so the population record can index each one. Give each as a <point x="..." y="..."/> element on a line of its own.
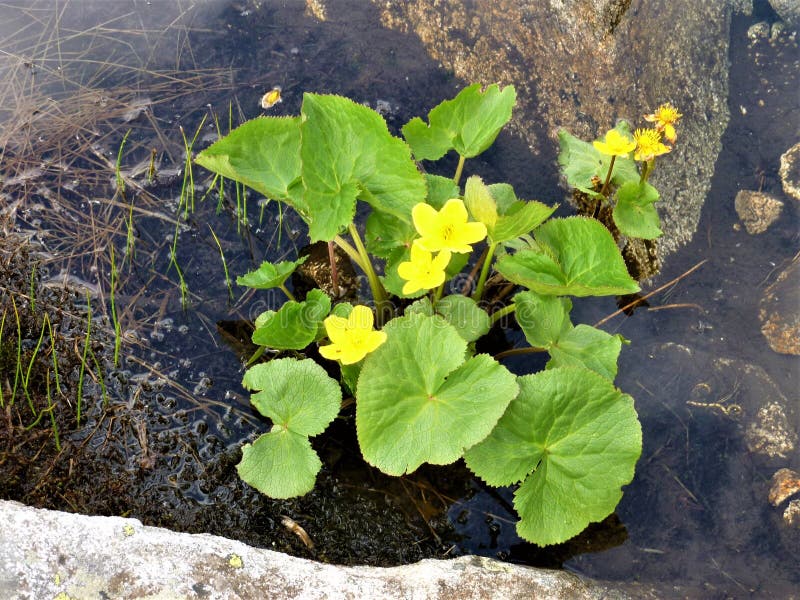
<point x="78" y="78"/>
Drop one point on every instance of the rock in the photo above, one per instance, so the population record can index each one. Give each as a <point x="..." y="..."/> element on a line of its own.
<point x="785" y="484"/>
<point x="788" y="10"/>
<point x="732" y="390"/>
<point x="49" y="554"/>
<point x="790" y="171"/>
<point x="779" y="313"/>
<point x="583" y="64"/>
<point x="791" y="516"/>
<point x="757" y="210"/>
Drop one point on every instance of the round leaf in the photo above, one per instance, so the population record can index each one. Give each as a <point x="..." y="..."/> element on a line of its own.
<point x="295" y="325"/>
<point x="280" y="464"/>
<point x="589" y="347"/>
<point x="270" y="275"/>
<point x="634" y="212"/>
<point x="543" y="319"/>
<point x="465" y="315"/>
<point x="573" y="440"/>
<point x="297" y="395"/>
<point x="418" y="401"/>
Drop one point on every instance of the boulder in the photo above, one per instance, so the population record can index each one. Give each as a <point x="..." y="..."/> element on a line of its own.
<point x="50" y="554"/>
<point x="583" y="64"/>
<point x="790" y="171"/>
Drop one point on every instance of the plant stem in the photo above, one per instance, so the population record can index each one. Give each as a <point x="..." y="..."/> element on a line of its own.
<point x="378" y="292"/>
<point x="517" y="351"/>
<point x="334" y="272"/>
<point x="604" y="189"/>
<point x="647" y="168"/>
<point x="487" y="263"/>
<point x="286" y="291"/>
<point x="437" y="294"/>
<point x="350" y="251"/>
<point x="459" y="169"/>
<point x="499" y="314"/>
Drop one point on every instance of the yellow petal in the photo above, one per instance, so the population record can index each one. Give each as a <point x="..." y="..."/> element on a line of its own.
<point x="454" y="212"/>
<point x="331" y="351"/>
<point x="410" y="287"/>
<point x="336" y="328"/>
<point x="375" y="339"/>
<point x="424" y="217"/>
<point x="441" y="261"/>
<point x="407" y="271"/>
<point x="360" y="318"/>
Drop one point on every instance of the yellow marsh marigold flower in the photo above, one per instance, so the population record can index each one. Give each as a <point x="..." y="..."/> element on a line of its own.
<point x="665" y="118"/>
<point x="351" y="338"/>
<point x="648" y="144"/>
<point x="615" y="144"/>
<point x="446" y="229"/>
<point x="423" y="272"/>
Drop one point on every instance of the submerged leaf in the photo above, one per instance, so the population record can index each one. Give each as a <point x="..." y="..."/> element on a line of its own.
<point x="573" y="440"/>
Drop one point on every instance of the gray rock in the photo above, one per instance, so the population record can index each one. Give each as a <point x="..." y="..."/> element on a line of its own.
<point x="583" y="64"/>
<point x="790" y="171"/>
<point x="49" y="554"/>
<point x="778" y="311"/>
<point x="788" y="10"/>
<point x="757" y="210"/>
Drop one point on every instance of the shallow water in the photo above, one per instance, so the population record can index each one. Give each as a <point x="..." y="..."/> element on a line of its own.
<point x="697" y="512"/>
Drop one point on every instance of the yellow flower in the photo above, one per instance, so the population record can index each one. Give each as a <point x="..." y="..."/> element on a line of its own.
<point x="665" y="118"/>
<point x="351" y="338"/>
<point x="648" y="144"/>
<point x="446" y="229"/>
<point x="615" y="144"/>
<point x="423" y="272"/>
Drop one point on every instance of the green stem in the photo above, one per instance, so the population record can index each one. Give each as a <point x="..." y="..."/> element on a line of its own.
<point x="517" y="351"/>
<point x="487" y="264"/>
<point x="378" y="292"/>
<point x="437" y="294"/>
<point x="350" y="251"/>
<point x="647" y="168"/>
<point x="286" y="291"/>
<point x="499" y="314"/>
<point x="459" y="169"/>
<point x="604" y="189"/>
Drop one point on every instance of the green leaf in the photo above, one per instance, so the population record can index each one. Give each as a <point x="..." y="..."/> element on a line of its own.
<point x="479" y="202"/>
<point x="634" y="213"/>
<point x="263" y="154"/>
<point x="573" y="440"/>
<point x="580" y="258"/>
<point x="295" y="325"/>
<point x="543" y="319"/>
<point x="586" y="346"/>
<point x="422" y="306"/>
<point x="581" y="162"/>
<point x="521" y="218"/>
<point x="440" y="190"/>
<point x="301" y="400"/>
<point x="348" y="153"/>
<point x="471" y="321"/>
<point x="469" y="123"/>
<point x="418" y="401"/>
<point x="504" y="196"/>
<point x="385" y="233"/>
<point x="280" y="464"/>
<point x="296" y="394"/>
<point x="270" y="275"/>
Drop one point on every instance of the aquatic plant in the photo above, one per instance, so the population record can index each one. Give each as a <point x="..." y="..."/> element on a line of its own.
<point x="566" y="435"/>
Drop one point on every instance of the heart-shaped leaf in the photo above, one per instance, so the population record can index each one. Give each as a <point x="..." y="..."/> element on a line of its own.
<point x="634" y="213"/>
